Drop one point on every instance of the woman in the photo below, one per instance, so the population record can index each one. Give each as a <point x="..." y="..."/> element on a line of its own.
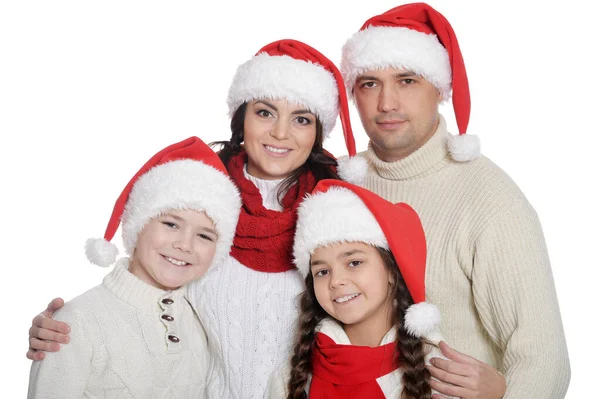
<point x="283" y="103"/>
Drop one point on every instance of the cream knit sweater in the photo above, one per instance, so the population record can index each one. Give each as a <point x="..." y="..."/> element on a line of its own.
<point x="487" y="265"/>
<point x="120" y="345"/>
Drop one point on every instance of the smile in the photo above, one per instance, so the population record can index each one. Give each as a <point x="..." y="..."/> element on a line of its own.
<point x="345" y="298"/>
<point x="277" y="151"/>
<point x="175" y="262"/>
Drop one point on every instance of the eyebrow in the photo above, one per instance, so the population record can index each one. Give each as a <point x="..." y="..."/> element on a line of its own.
<point x="297" y="112"/>
<point x="400" y="75"/>
<point x="340" y="256"/>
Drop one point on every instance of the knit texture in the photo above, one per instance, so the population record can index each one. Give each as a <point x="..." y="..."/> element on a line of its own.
<point x="120" y="345"/>
<point x="487" y="265"/>
<point x="250" y="319"/>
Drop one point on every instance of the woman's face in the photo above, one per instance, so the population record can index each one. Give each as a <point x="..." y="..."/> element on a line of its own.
<point x="278" y="137"/>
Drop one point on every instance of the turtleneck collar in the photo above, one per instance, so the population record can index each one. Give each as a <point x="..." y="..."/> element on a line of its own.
<point x="267" y="189"/>
<point x="431" y="157"/>
<point x="130" y="289"/>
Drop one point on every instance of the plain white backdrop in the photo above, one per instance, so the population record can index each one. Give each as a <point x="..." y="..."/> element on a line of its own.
<point x="90" y="90"/>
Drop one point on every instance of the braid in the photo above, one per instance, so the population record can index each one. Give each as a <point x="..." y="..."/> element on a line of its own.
<point x="410" y="351"/>
<point x="311" y="315"/>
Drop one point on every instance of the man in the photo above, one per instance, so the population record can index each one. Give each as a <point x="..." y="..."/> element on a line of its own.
<point x="488" y="270"/>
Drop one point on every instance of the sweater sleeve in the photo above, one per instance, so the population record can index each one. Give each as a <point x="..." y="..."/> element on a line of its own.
<point x="277" y="385"/>
<point x="516" y="300"/>
<point x="64" y="374"/>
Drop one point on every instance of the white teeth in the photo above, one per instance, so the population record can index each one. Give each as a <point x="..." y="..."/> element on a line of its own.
<point x="175" y="261"/>
<point x="345" y="298"/>
<point x="277" y="150"/>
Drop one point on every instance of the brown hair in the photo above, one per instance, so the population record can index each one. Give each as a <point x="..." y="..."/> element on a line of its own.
<point x="410" y="351"/>
<point x="321" y="163"/>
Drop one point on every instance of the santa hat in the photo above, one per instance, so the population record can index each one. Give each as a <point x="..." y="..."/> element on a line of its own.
<point x="338" y="211"/>
<point x="296" y="72"/>
<point x="417" y="38"/>
<point x="185" y="175"/>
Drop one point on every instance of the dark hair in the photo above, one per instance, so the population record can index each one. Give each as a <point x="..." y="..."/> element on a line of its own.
<point x="319" y="162"/>
<point x="410" y="351"/>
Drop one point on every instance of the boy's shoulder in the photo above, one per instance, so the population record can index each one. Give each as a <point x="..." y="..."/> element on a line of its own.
<point x="84" y="306"/>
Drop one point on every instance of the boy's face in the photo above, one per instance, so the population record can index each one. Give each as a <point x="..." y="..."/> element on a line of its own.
<point x="352" y="284"/>
<point x="174" y="249"/>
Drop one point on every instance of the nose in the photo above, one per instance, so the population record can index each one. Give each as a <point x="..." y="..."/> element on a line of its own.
<point x="183" y="242"/>
<point x="388" y="99"/>
<point x="280" y="130"/>
<point x="338" y="279"/>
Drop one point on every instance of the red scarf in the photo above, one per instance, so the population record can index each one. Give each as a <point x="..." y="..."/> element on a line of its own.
<point x="349" y="371"/>
<point x="264" y="238"/>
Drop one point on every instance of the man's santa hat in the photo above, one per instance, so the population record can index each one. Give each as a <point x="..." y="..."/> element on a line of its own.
<point x="294" y="71"/>
<point x="337" y="211"/>
<point x="184" y="175"/>
<point x="417" y="38"/>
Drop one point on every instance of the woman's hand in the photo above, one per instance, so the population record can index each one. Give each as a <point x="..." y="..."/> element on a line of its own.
<point x="464" y="376"/>
<point x="45" y="333"/>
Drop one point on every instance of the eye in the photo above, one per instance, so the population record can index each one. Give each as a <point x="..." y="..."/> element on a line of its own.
<point x="321" y="273"/>
<point x="263" y="113"/>
<point x="206" y="237"/>
<point x="355" y="263"/>
<point x="170" y="225"/>
<point x="368" y="85"/>
<point x="408" y="81"/>
<point x="303" y="120"/>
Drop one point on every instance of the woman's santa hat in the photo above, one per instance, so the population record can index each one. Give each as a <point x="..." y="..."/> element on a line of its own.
<point x="417" y="38"/>
<point x="338" y="211"/>
<point x="296" y="72"/>
<point x="185" y="175"/>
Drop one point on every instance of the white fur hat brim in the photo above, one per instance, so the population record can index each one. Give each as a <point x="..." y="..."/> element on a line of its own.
<point x="335" y="216"/>
<point x="379" y="47"/>
<point x="283" y="77"/>
<point x="183" y="184"/>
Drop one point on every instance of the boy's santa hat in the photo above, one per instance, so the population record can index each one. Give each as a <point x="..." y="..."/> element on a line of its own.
<point x="417" y="38"/>
<point x="184" y="175"/>
<point x="338" y="211"/>
<point x="296" y="72"/>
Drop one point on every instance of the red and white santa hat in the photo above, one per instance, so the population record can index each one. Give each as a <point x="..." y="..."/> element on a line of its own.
<point x="417" y="38"/>
<point x="184" y="175"/>
<point x="294" y="71"/>
<point x="337" y="211"/>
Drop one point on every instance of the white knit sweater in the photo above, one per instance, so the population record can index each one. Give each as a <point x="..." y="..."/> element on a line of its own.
<point x="121" y="347"/>
<point x="250" y="318"/>
<point x="487" y="265"/>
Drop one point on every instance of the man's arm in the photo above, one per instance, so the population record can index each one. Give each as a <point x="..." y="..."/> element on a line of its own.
<point x="516" y="300"/>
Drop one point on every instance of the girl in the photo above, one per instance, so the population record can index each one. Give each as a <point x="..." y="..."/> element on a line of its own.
<point x="136" y="335"/>
<point x="283" y="102"/>
<point x="364" y="328"/>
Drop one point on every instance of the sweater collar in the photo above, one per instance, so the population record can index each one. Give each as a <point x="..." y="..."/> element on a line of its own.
<point x="336" y="332"/>
<point x="137" y="293"/>
<point x="431" y="157"/>
<point x="268" y="190"/>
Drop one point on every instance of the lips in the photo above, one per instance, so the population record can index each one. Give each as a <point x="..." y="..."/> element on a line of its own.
<point x="390" y="124"/>
<point x="175" y="262"/>
<point x="345" y="298"/>
<point x="276" y="151"/>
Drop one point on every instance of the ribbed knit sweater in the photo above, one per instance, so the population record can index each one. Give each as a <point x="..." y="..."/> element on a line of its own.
<point x="487" y="265"/>
<point x="122" y="347"/>
<point x="250" y="318"/>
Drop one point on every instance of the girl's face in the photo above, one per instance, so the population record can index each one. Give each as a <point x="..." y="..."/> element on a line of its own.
<point x="174" y="249"/>
<point x="278" y="138"/>
<point x="352" y="284"/>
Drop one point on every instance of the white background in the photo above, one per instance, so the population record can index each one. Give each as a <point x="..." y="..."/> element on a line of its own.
<point x="90" y="90"/>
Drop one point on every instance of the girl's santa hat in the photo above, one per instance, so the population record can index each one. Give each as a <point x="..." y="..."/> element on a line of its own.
<point x="296" y="72"/>
<point x="417" y="38"/>
<point x="338" y="211"/>
<point x="185" y="175"/>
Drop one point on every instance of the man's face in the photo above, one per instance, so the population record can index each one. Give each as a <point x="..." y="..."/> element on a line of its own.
<point x="398" y="110"/>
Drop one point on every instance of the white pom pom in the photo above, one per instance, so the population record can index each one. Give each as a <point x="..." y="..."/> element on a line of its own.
<point x="353" y="169"/>
<point x="422" y="319"/>
<point x="101" y="252"/>
<point x="464" y="147"/>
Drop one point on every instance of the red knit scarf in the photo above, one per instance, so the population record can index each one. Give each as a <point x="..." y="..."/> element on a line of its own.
<point x="349" y="371"/>
<point x="264" y="238"/>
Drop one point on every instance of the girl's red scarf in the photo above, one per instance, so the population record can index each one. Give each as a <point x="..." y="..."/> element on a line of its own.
<point x="348" y="371"/>
<point x="264" y="238"/>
